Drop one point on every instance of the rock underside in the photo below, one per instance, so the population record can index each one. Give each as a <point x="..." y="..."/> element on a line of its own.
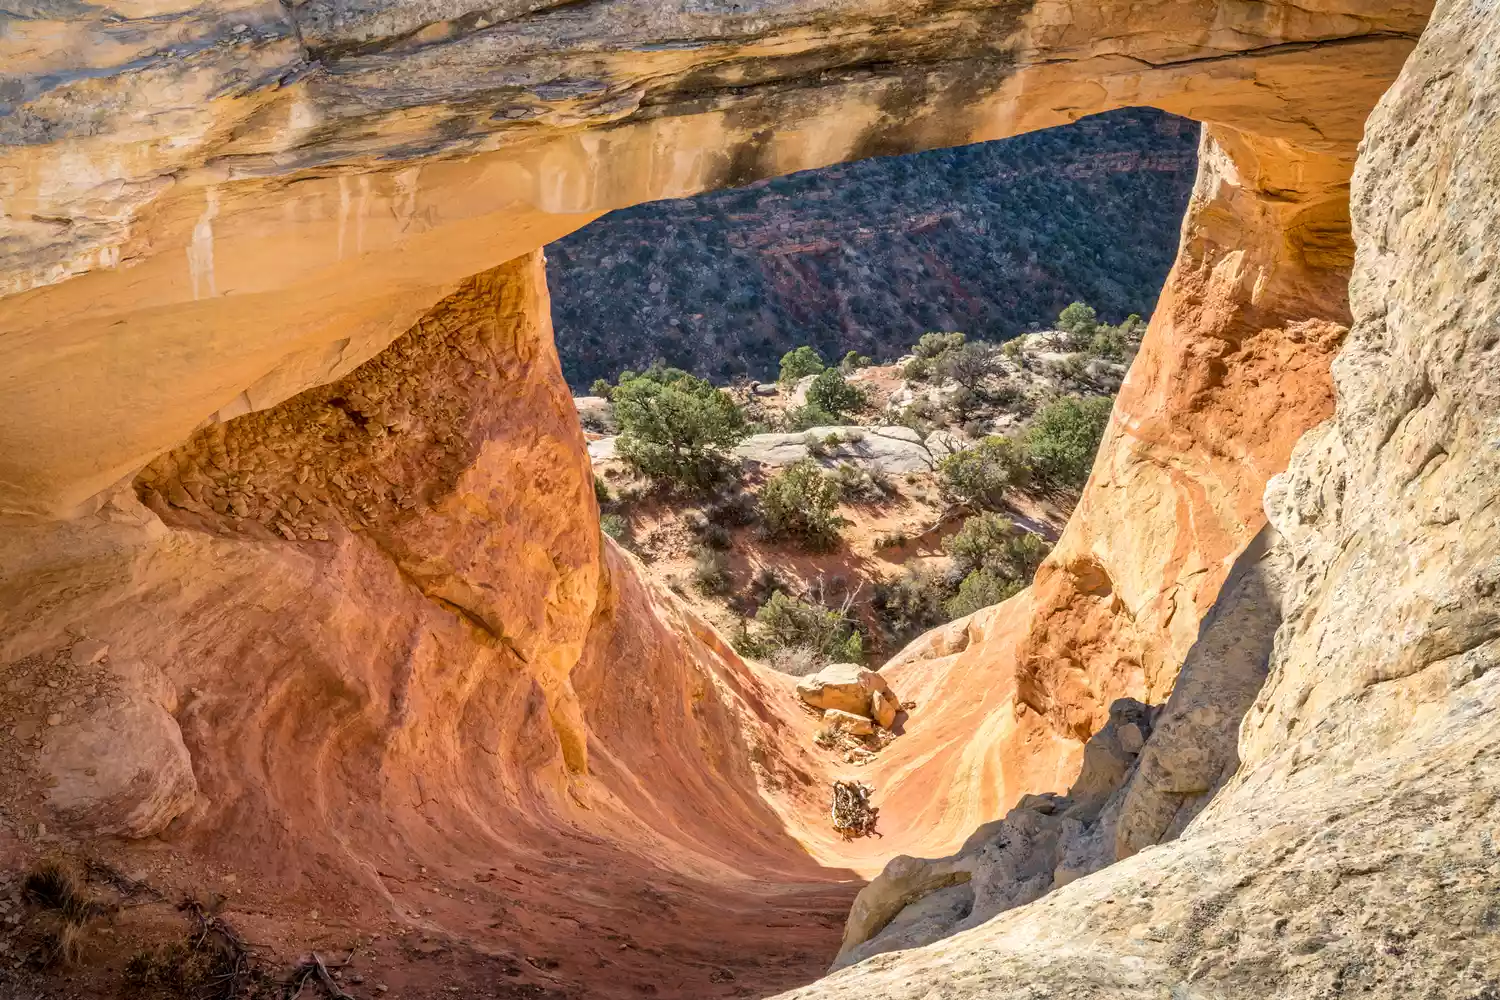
<point x="301" y="580"/>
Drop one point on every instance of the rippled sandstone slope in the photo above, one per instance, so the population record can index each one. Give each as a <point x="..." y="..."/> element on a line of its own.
<point x="368" y="655"/>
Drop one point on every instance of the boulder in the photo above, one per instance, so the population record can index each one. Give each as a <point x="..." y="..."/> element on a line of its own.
<point x="846" y="687"/>
<point x="883" y="708"/>
<point x="121" y="772"/>
<point x="855" y="725"/>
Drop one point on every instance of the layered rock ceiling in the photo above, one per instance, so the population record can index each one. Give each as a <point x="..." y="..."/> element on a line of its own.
<point x="301" y="580"/>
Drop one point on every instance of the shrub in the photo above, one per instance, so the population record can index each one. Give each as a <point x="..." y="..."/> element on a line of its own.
<point x="853" y="361"/>
<point x="857" y="485"/>
<point x="1107" y="343"/>
<point x="979" y="476"/>
<point x="968" y="364"/>
<point x="910" y="605"/>
<point x="601" y="491"/>
<point x="601" y="387"/>
<point x="1078" y="321"/>
<point x="990" y="542"/>
<point x="787" y="625"/>
<point x="734" y="510"/>
<point x="765" y="583"/>
<point x="917" y="370"/>
<point x="801" y="503"/>
<point x="980" y="589"/>
<point x="933" y="345"/>
<point x="1062" y="440"/>
<point x="675" y="427"/>
<point x="710" y="571"/>
<point x="615" y="527"/>
<point x="917" y="415"/>
<point x="831" y="393"/>
<point x="800" y="362"/>
<point x="807" y="416"/>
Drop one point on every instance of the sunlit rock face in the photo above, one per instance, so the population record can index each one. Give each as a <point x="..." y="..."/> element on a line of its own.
<point x="207" y="211"/>
<point x="1350" y="850"/>
<point x="285" y="433"/>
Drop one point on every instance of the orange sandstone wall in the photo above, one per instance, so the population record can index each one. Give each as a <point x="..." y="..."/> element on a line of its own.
<point x="368" y="654"/>
<point x="1234" y="368"/>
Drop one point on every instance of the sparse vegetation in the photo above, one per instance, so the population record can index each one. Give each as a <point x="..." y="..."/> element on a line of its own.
<point x="982" y="588"/>
<point x="1063" y="438"/>
<point x="710" y="571"/>
<point x="801" y="503"/>
<point x="832" y="393"/>
<point x="799" y="363"/>
<point x="979" y="476"/>
<point x="988" y="541"/>
<point x="910" y="604"/>
<point x="969" y="364"/>
<point x="801" y="636"/>
<point x="616" y="527"/>
<point x="853" y="361"/>
<point x="675" y="427"/>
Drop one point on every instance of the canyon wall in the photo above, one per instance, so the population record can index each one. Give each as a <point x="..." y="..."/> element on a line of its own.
<point x="299" y="566"/>
<point x="367" y="655"/>
<point x="1351" y="851"/>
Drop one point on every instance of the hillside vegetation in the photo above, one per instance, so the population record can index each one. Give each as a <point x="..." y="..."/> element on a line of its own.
<point x="992" y="239"/>
<point x="837" y="513"/>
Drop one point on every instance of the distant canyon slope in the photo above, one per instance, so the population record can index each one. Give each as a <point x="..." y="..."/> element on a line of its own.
<point x="988" y="239"/>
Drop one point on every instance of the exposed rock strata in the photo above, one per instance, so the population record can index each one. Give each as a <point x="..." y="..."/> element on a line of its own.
<point x="1144" y="776"/>
<point x="1233" y="369"/>
<point x="216" y="211"/>
<point x="411" y="677"/>
<point x="1352" y="852"/>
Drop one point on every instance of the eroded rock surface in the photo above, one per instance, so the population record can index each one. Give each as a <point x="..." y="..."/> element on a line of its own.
<point x="1351" y="852"/>
<point x="217" y="208"/>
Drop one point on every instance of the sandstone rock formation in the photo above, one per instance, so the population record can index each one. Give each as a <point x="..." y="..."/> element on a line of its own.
<point x="1350" y="852"/>
<point x="1143" y="778"/>
<point x="286" y="434"/>
<point x="369" y="645"/>
<point x="215" y="213"/>
<point x="848" y="687"/>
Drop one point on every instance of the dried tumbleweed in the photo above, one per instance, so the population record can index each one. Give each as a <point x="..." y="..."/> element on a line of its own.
<point x="853" y="816"/>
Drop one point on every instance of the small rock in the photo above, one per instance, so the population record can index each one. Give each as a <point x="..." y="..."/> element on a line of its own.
<point x="55" y="719"/>
<point x="856" y="725"/>
<point x="1131" y="740"/>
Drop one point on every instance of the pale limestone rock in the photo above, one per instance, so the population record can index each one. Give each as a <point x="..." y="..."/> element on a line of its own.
<point x="603" y="450"/>
<point x="895" y="450"/>
<point x="595" y="413"/>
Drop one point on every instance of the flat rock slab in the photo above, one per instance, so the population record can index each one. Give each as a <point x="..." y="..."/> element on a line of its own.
<point x="892" y="449"/>
<point x="602" y="450"/>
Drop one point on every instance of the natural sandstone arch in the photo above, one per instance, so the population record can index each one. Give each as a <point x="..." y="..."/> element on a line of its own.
<point x="206" y="216"/>
<point x="263" y="217"/>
